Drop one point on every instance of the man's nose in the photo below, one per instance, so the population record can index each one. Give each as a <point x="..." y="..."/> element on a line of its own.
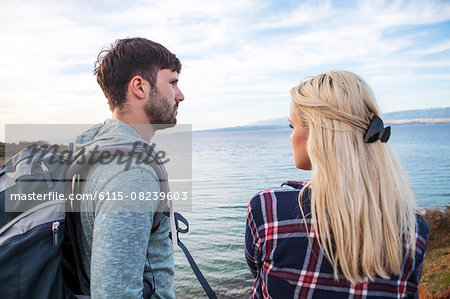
<point x="179" y="96"/>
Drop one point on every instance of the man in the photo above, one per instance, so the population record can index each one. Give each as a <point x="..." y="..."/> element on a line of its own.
<point x="118" y="248"/>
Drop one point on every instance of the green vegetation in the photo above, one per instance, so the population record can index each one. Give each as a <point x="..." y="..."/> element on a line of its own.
<point x="2" y="154"/>
<point x="10" y="149"/>
<point x="435" y="282"/>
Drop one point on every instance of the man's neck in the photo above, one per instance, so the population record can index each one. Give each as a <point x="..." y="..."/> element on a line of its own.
<point x="142" y="126"/>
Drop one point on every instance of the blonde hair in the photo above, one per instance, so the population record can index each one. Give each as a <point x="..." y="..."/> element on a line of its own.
<point x="361" y="203"/>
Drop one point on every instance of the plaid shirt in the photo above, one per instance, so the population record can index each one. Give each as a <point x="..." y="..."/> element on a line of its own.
<point x="288" y="264"/>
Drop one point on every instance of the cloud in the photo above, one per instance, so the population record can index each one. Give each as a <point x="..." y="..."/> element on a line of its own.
<point x="239" y="58"/>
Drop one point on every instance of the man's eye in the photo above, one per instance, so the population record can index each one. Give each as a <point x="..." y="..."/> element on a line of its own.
<point x="290" y="126"/>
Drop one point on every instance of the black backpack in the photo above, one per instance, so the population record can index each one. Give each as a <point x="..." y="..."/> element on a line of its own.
<point x="39" y="253"/>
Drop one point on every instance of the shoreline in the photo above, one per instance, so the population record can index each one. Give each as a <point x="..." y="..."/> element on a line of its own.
<point x="417" y="121"/>
<point x="435" y="280"/>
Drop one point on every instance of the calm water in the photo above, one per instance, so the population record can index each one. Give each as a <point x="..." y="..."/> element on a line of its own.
<point x="230" y="167"/>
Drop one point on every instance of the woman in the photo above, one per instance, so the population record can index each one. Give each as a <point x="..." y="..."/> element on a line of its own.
<point x="372" y="242"/>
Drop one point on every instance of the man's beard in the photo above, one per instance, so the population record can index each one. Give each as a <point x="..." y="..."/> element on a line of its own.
<point x="159" y="111"/>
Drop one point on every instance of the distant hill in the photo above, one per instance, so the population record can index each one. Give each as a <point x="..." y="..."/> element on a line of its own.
<point x="2" y="153"/>
<point x="245" y="128"/>
<point x="419" y="115"/>
<point x="282" y="121"/>
<point x="432" y="115"/>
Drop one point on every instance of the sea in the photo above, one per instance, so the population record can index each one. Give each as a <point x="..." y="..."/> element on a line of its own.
<point x="229" y="167"/>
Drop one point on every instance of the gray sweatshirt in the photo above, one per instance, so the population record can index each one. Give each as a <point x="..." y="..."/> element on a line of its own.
<point x="117" y="247"/>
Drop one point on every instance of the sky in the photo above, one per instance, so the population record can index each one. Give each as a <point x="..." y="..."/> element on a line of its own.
<point x="240" y="58"/>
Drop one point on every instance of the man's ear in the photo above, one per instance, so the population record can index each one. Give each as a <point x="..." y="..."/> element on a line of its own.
<point x="138" y="87"/>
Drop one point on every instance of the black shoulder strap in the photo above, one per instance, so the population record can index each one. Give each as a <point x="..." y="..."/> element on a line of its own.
<point x="146" y="154"/>
<point x="78" y="169"/>
<point x="73" y="265"/>
<point x="205" y="285"/>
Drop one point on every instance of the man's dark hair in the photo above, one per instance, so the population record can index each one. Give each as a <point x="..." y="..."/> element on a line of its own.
<point x="127" y="58"/>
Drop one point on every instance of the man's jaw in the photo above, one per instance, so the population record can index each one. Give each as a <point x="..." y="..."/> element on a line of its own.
<point x="175" y="109"/>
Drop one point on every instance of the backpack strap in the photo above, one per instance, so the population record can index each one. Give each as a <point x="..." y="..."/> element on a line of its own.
<point x="72" y="224"/>
<point x="76" y="173"/>
<point x="205" y="285"/>
<point x="141" y="151"/>
<point x="201" y="279"/>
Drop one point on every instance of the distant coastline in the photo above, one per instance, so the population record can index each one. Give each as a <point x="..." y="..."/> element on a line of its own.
<point x="418" y="121"/>
<point x="284" y="124"/>
<point x="418" y="116"/>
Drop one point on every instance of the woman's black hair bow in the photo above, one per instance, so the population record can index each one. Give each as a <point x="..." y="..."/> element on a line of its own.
<point x="377" y="131"/>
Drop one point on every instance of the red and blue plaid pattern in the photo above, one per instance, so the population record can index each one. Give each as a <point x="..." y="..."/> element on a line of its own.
<point x="284" y="255"/>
